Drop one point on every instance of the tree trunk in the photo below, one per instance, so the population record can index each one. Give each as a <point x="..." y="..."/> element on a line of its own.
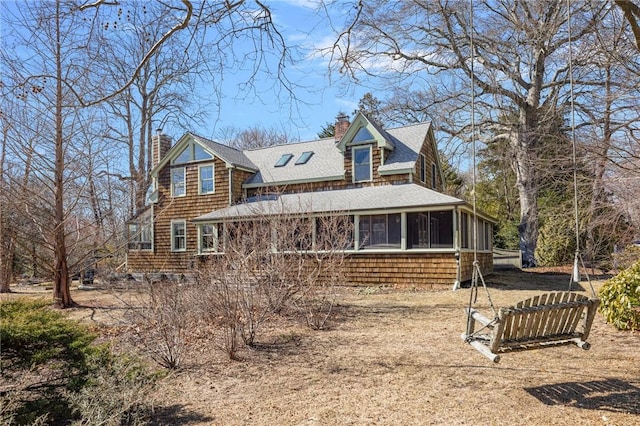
<point x="6" y="236"/>
<point x="61" y="288"/>
<point x="528" y="194"/>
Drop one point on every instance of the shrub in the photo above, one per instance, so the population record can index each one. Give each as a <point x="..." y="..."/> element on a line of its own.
<point x="53" y="373"/>
<point x="620" y="299"/>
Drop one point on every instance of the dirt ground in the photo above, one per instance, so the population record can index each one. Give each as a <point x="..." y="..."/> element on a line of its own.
<point x="396" y="358"/>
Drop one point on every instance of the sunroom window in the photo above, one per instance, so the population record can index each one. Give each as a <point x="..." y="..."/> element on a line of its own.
<point x="430" y="229"/>
<point x="380" y="231"/>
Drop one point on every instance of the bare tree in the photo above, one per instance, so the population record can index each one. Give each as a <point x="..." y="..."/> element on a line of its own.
<point x="58" y="65"/>
<point x="518" y="63"/>
<point x="254" y="137"/>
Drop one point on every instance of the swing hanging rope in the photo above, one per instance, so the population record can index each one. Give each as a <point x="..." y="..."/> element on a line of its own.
<point x="577" y="261"/>
<point x="540" y="321"/>
<point x="477" y="273"/>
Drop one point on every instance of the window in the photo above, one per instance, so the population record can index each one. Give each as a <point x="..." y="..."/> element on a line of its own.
<point x="304" y="157"/>
<point x="209" y="237"/>
<point x="178" y="235"/>
<point x="192" y="152"/>
<point x="283" y="160"/>
<point x="363" y="135"/>
<point x="200" y="154"/>
<point x="423" y="168"/>
<point x="184" y="156"/>
<point x="362" y="164"/>
<point x="205" y="181"/>
<point x="178" y="188"/>
<point x="380" y="231"/>
<point x="430" y="230"/>
<point x="464" y="231"/>
<point x="140" y="234"/>
<point x="434" y="179"/>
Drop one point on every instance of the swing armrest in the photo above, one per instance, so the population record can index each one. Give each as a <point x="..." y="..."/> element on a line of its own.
<point x="479" y="317"/>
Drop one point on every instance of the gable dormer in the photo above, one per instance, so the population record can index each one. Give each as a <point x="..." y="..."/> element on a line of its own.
<point x="365" y="146"/>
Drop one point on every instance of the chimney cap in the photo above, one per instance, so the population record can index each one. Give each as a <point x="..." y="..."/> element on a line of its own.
<point x="342" y="117"/>
<point x="159" y="130"/>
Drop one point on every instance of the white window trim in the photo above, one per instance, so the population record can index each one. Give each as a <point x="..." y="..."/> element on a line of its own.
<point x="216" y="242"/>
<point x="353" y="163"/>
<point x="184" y="182"/>
<point x="213" y="179"/>
<point x="184" y="224"/>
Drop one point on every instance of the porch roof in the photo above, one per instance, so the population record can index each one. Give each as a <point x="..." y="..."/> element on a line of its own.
<point x="387" y="197"/>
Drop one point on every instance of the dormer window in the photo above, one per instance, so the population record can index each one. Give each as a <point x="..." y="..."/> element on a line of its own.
<point x="363" y="135"/>
<point x="192" y="152"/>
<point x="283" y="160"/>
<point x="304" y="158"/>
<point x="362" y="164"/>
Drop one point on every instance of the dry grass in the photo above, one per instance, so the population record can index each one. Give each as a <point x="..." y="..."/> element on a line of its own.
<point x="396" y="358"/>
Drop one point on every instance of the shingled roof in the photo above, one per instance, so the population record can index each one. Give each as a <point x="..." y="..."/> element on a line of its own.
<point x="386" y="197"/>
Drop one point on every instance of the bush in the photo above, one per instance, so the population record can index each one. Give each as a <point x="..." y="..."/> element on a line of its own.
<point x="50" y="367"/>
<point x="620" y="299"/>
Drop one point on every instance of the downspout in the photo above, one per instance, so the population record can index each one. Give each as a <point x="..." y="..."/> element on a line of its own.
<point x="230" y="185"/>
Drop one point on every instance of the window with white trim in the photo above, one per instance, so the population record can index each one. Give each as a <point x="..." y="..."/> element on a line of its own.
<point x="209" y="237"/>
<point x="430" y="229"/>
<point x="178" y="235"/>
<point x="423" y="168"/>
<point x="140" y="233"/>
<point x="380" y="231"/>
<point x="206" y="184"/>
<point x="178" y="182"/>
<point x="362" y="164"/>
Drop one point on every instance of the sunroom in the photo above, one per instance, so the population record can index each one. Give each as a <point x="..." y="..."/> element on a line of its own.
<point x="408" y="222"/>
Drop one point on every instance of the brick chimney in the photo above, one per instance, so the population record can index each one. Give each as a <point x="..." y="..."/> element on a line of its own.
<point x="342" y="124"/>
<point x="160" y="145"/>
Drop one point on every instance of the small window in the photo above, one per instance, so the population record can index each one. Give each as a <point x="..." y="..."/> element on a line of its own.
<point x="178" y="236"/>
<point x="304" y="158"/>
<point x="423" y="168"/>
<point x="178" y="188"/>
<point x="206" y="182"/>
<point x="362" y="164"/>
<point x="283" y="160"/>
<point x="208" y="237"/>
<point x="434" y="178"/>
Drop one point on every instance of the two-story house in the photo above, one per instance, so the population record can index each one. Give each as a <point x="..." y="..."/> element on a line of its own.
<point x="388" y="181"/>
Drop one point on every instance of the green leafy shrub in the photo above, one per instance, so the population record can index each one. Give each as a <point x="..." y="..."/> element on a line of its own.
<point x="53" y="373"/>
<point x="620" y="299"/>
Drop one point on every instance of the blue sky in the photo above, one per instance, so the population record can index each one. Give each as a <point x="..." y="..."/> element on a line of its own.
<point x="320" y="96"/>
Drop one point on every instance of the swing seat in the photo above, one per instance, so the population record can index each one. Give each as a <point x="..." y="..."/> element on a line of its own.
<point x="550" y="319"/>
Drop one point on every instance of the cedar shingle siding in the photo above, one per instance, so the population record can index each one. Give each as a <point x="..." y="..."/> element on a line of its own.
<point x="327" y="178"/>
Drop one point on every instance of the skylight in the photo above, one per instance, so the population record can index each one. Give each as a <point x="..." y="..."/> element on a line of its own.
<point x="283" y="160"/>
<point x="304" y="157"/>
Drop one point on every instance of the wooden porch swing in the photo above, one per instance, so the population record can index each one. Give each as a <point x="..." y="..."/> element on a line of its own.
<point x="546" y="320"/>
